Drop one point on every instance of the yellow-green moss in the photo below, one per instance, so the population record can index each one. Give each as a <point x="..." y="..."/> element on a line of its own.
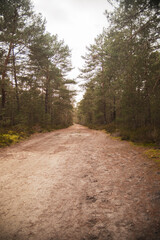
<point x="153" y="154"/>
<point x="116" y="138"/>
<point x="9" y="138"/>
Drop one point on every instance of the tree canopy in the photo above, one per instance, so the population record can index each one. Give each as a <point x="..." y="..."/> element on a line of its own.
<point x="33" y="67"/>
<point x="122" y="72"/>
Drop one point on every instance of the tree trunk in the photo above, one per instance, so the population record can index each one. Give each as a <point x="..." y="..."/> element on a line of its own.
<point x="3" y="77"/>
<point x="114" y="108"/>
<point x="15" y="79"/>
<point x="104" y="112"/>
<point x="46" y="101"/>
<point x="104" y="102"/>
<point x="47" y="94"/>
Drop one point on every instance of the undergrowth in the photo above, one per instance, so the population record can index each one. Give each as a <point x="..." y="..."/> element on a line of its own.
<point x="14" y="134"/>
<point x="9" y="138"/>
<point x="153" y="154"/>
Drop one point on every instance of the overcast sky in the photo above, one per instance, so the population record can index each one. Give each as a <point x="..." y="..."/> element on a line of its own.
<point x="78" y="22"/>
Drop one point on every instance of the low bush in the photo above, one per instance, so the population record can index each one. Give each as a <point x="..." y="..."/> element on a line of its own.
<point x="153" y="154"/>
<point x="9" y="138"/>
<point x="111" y="127"/>
<point x="143" y="134"/>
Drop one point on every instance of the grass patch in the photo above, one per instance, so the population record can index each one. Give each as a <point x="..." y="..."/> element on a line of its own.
<point x="153" y="154"/>
<point x="116" y="138"/>
<point x="151" y="150"/>
<point x="9" y="138"/>
<point x="148" y="145"/>
<point x="12" y="135"/>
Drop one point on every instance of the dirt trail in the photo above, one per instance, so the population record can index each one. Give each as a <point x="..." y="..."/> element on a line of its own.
<point x="78" y="184"/>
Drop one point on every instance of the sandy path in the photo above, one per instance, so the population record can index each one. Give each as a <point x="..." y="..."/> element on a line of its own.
<point x="78" y="184"/>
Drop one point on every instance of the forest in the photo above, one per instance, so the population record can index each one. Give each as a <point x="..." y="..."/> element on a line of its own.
<point x="121" y="74"/>
<point x="34" y="64"/>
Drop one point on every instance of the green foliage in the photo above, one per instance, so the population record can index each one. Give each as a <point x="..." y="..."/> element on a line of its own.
<point x="143" y="134"/>
<point x="9" y="138"/>
<point x="33" y="68"/>
<point x="153" y="154"/>
<point x="111" y="127"/>
<point x="122" y="74"/>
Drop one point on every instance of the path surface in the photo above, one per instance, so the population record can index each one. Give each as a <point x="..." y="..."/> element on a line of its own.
<point x="78" y="184"/>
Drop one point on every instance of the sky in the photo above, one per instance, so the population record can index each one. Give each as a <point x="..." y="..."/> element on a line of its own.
<point x="78" y="22"/>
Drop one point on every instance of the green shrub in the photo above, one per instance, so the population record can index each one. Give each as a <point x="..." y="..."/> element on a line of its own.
<point x="111" y="127"/>
<point x="143" y="134"/>
<point x="8" y="139"/>
<point x="153" y="154"/>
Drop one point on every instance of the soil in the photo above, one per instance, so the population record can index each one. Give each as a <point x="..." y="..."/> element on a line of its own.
<point x="78" y="184"/>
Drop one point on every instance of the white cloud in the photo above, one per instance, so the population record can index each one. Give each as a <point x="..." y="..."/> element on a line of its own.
<point x="78" y="22"/>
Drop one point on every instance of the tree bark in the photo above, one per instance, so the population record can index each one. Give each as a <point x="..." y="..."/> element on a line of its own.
<point x="3" y="76"/>
<point x="47" y="94"/>
<point x="114" y="108"/>
<point x="46" y="101"/>
<point x="15" y="79"/>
